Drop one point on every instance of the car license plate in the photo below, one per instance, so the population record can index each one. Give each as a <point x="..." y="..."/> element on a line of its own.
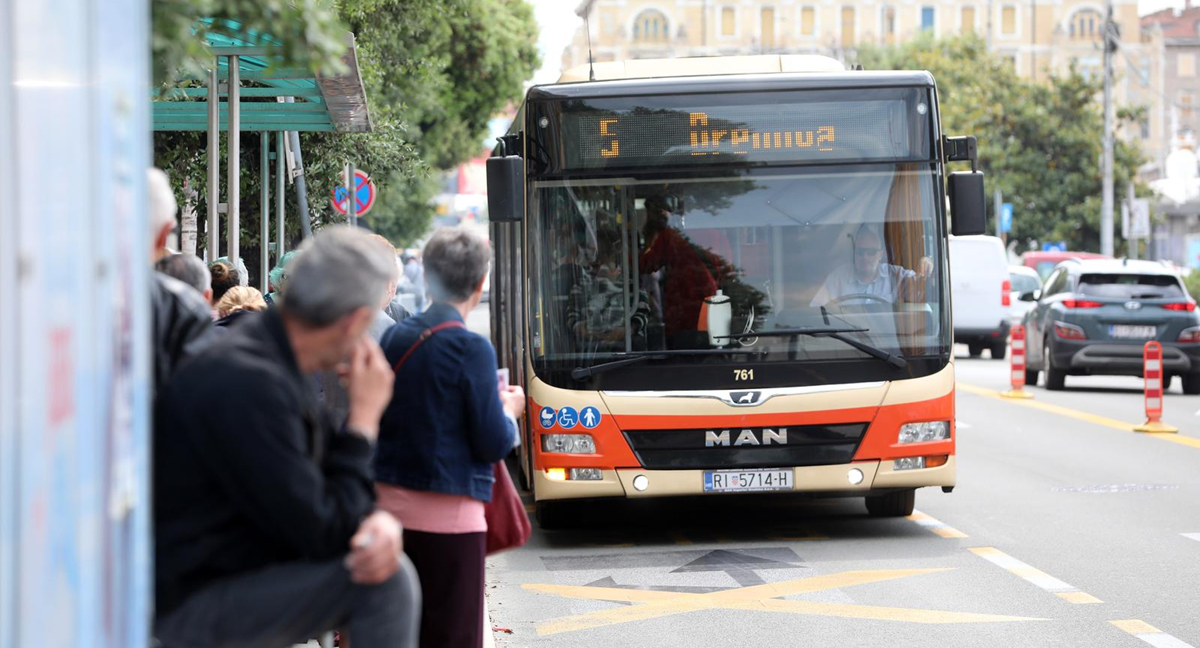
<point x="1130" y="332"/>
<point x="747" y="481"/>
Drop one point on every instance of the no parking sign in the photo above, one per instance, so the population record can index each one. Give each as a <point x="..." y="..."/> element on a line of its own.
<point x="364" y="195"/>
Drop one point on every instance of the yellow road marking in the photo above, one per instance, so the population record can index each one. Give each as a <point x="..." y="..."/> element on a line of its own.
<point x="1095" y="419"/>
<point x="1149" y="634"/>
<point x="1135" y="626"/>
<point x="1065" y="591"/>
<point x="650" y="604"/>
<point x="936" y="526"/>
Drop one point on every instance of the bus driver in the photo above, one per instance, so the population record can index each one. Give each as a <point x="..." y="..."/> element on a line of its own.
<point x="867" y="278"/>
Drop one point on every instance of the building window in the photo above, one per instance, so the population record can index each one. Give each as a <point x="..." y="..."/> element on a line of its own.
<point x="887" y="20"/>
<point x="1185" y="65"/>
<point x="1008" y="20"/>
<point x="651" y="26"/>
<point x="808" y="21"/>
<point x="1144" y="72"/>
<point x="848" y="27"/>
<point x="728" y="22"/>
<point x="766" y="24"/>
<point x="968" y="20"/>
<point x="1187" y="103"/>
<point x="608" y="23"/>
<point x="1086" y="26"/>
<point x="927" y="18"/>
<point x="1144" y="125"/>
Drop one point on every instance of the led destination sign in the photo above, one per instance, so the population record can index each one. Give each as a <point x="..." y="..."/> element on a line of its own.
<point x="637" y="135"/>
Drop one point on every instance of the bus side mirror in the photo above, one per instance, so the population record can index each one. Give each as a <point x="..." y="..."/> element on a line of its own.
<point x="968" y="214"/>
<point x="506" y="188"/>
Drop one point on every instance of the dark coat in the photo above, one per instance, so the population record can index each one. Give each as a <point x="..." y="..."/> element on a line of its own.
<point x="445" y="426"/>
<point x="182" y="325"/>
<point x="249" y="471"/>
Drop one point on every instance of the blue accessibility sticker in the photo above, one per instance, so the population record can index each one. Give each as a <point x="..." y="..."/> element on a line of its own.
<point x="546" y="417"/>
<point x="589" y="417"/>
<point x="567" y="418"/>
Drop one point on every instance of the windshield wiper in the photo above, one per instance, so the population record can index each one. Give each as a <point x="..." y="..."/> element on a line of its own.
<point x="579" y="373"/>
<point x="831" y="332"/>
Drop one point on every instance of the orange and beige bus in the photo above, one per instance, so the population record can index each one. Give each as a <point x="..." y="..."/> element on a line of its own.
<point x="729" y="275"/>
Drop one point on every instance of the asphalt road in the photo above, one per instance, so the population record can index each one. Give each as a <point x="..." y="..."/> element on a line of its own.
<point x="1066" y="529"/>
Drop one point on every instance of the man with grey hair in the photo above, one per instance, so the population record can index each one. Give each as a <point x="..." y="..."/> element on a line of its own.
<point x="189" y="269"/>
<point x="182" y="319"/>
<point x="265" y="520"/>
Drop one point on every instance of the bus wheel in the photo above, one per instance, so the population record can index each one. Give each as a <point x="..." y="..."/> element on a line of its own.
<point x="898" y="504"/>
<point x="553" y="515"/>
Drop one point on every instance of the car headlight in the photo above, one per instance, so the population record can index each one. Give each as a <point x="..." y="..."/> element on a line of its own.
<point x="928" y="431"/>
<point x="569" y="443"/>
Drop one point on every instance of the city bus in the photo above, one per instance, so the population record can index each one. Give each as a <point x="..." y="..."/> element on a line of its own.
<point x="729" y="275"/>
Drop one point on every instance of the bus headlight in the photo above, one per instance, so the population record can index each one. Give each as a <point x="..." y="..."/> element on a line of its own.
<point x="928" y="431"/>
<point x="569" y="443"/>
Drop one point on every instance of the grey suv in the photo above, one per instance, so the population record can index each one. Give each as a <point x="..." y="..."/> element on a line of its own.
<point x="1094" y="316"/>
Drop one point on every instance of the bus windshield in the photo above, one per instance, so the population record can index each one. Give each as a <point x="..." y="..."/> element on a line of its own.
<point x="626" y="266"/>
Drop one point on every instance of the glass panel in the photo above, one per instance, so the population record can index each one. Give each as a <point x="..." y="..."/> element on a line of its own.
<point x="1130" y="286"/>
<point x="968" y="20"/>
<point x="767" y="27"/>
<point x="927" y="18"/>
<point x="634" y="265"/>
<point x="848" y="26"/>
<point x="1023" y="283"/>
<point x="808" y="21"/>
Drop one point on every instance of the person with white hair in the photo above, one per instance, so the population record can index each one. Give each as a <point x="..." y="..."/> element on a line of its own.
<point x="266" y="530"/>
<point x="182" y="319"/>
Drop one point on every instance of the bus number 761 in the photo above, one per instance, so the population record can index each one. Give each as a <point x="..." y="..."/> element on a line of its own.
<point x="743" y="374"/>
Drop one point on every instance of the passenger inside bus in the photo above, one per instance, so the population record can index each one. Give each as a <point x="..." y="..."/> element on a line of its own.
<point x="686" y="278"/>
<point x="596" y="306"/>
<point x="866" y="278"/>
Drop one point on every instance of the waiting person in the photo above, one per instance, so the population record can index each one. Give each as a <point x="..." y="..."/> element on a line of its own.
<point x="329" y="383"/>
<point x="265" y="523"/>
<point x="277" y="277"/>
<point x="237" y="303"/>
<point x="189" y="269"/>
<point x="182" y="321"/>
<point x="224" y="277"/>
<point x="446" y="426"/>
<point x="867" y="278"/>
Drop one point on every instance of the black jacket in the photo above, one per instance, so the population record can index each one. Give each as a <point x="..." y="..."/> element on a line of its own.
<point x="183" y="325"/>
<point x="249" y="472"/>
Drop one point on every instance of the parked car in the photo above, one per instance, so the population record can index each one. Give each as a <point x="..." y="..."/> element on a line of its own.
<point x="1094" y="316"/>
<point x="1024" y="280"/>
<point x="1043" y="262"/>
<point x="979" y="292"/>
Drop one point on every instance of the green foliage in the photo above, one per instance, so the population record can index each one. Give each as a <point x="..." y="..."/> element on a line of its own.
<point x="435" y="72"/>
<point x="1039" y="142"/>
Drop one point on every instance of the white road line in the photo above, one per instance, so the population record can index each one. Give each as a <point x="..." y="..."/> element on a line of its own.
<point x="1065" y="591"/>
<point x="1193" y="536"/>
<point x="1150" y="634"/>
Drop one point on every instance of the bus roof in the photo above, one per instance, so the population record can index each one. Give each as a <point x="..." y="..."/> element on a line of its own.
<point x="746" y="82"/>
<point x="701" y="66"/>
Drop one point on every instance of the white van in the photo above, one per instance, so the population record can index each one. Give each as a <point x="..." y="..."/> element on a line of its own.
<point x="979" y="292"/>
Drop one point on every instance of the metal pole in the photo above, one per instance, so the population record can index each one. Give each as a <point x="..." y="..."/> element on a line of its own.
<point x="280" y="233"/>
<point x="301" y="185"/>
<point x="999" y="205"/>
<point x="351" y="194"/>
<point x="234" y="169"/>
<point x="1131" y="243"/>
<point x="214" y="169"/>
<point x="264" y="208"/>
<point x="1106" y="209"/>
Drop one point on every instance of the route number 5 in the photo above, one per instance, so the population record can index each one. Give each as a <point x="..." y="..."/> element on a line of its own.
<point x="615" y="149"/>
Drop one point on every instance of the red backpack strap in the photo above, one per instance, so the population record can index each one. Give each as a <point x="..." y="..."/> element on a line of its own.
<point x="425" y="335"/>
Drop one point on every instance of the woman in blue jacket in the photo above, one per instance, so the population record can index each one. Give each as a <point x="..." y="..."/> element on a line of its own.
<point x="449" y="421"/>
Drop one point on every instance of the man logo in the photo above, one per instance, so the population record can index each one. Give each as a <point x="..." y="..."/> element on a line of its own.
<point x="768" y="436"/>
<point x="745" y="398"/>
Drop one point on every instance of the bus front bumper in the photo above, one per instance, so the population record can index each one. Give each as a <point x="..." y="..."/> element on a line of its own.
<point x="878" y="476"/>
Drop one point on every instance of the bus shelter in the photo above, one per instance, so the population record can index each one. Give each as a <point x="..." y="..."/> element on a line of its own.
<point x="248" y="90"/>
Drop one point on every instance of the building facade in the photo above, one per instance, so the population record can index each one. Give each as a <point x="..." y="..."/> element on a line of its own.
<point x="1040" y="37"/>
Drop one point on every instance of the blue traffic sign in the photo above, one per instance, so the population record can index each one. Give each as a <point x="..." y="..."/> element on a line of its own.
<point x="1060" y="246"/>
<point x="546" y="417"/>
<point x="567" y="418"/>
<point x="1006" y="217"/>
<point x="589" y="417"/>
